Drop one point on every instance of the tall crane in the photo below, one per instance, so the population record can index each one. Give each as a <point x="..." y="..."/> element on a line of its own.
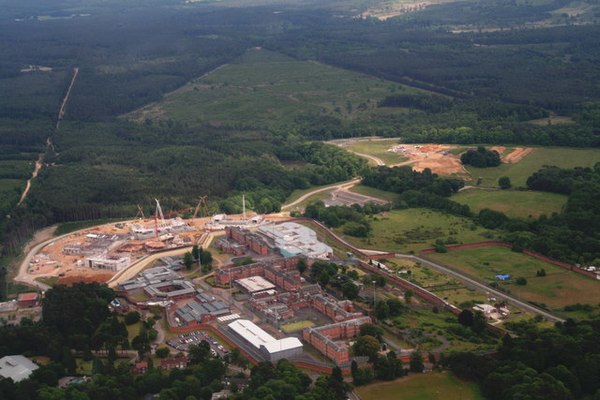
<point x="159" y="213"/>
<point x="202" y="202"/>
<point x="140" y="212"/>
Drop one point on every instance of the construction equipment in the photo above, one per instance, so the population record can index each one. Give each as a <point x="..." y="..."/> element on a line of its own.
<point x="140" y="212"/>
<point x="202" y="202"/>
<point x="159" y="213"/>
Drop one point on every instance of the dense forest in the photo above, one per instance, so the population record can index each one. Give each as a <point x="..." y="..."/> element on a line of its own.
<point x="553" y="363"/>
<point x="472" y="87"/>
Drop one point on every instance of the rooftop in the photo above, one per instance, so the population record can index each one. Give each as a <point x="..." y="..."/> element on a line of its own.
<point x="255" y="284"/>
<point x="258" y="338"/>
<point x="294" y="239"/>
<point x="16" y="367"/>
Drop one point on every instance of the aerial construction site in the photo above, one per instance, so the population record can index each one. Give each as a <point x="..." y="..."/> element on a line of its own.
<point x="99" y="253"/>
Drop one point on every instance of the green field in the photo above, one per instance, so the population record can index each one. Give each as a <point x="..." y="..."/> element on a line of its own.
<point x="519" y="172"/>
<point x="557" y="289"/>
<point x="264" y="88"/>
<point x="514" y="203"/>
<point x="432" y="386"/>
<point x="416" y="229"/>
<point x="374" y="192"/>
<point x="377" y="148"/>
<point x="296" y="326"/>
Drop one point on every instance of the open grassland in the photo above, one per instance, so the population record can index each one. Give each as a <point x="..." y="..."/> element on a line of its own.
<point x="433" y="386"/>
<point x="296" y="326"/>
<point x="416" y="229"/>
<point x="514" y="203"/>
<point x="556" y="290"/>
<point x="264" y="88"/>
<point x="376" y="148"/>
<point x="519" y="172"/>
<point x="374" y="192"/>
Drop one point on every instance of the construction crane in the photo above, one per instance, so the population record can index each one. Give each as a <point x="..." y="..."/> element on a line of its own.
<point x="202" y="202"/>
<point x="159" y="213"/>
<point x="140" y="212"/>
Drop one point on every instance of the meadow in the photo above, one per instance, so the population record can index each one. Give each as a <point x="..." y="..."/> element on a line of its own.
<point x="416" y="229"/>
<point x="374" y="192"/>
<point x="556" y="290"/>
<point x="518" y="173"/>
<point x="263" y="88"/>
<point x="432" y="386"/>
<point x="377" y="148"/>
<point x="514" y="203"/>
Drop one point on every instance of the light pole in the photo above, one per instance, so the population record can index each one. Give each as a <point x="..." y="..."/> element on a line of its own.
<point x="374" y="295"/>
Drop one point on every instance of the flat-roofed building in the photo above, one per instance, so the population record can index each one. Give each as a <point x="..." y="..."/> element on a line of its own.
<point x="292" y="239"/>
<point x="270" y="348"/>
<point x="255" y="284"/>
<point x="16" y="367"/>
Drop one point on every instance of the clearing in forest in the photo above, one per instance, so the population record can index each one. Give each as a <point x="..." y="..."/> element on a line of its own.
<point x="267" y="89"/>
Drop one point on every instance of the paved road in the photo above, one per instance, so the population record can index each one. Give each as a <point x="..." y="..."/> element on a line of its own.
<point x="483" y="287"/>
<point x="343" y="185"/>
<point x="378" y="161"/>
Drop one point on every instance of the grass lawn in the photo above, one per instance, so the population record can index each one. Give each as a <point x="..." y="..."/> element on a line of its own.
<point x="514" y="203"/>
<point x="296" y="326"/>
<point x="557" y="289"/>
<point x="264" y="89"/>
<point x="432" y="386"/>
<point x="373" y="192"/>
<point x="416" y="229"/>
<point x="518" y="173"/>
<point x="377" y="148"/>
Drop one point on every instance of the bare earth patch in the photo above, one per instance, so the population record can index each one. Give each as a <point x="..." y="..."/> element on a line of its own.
<point x="436" y="157"/>
<point x="517" y="155"/>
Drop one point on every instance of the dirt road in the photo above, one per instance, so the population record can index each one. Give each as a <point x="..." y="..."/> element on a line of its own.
<point x="49" y="145"/>
<point x="39" y="240"/>
<point x="61" y="112"/>
<point x="34" y="174"/>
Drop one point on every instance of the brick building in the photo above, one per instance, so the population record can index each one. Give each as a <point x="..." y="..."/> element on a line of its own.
<point x="251" y="240"/>
<point x="282" y="272"/>
<point x="330" y="339"/>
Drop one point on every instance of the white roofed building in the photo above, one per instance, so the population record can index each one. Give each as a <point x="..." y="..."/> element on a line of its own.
<point x="293" y="239"/>
<point x="270" y="348"/>
<point x="16" y="367"/>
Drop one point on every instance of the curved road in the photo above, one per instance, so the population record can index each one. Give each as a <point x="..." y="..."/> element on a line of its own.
<point x="344" y="185"/>
<point x="378" y="161"/>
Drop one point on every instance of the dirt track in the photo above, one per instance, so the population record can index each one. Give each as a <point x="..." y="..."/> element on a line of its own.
<point x="517" y="155"/>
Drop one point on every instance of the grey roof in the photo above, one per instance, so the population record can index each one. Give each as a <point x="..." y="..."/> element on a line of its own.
<point x="16" y="367"/>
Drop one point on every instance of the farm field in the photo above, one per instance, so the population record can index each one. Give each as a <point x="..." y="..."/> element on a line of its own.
<point x="416" y="229"/>
<point x="556" y="290"/>
<point x="519" y="172"/>
<point x="264" y="88"/>
<point x="432" y="386"/>
<point x="514" y="203"/>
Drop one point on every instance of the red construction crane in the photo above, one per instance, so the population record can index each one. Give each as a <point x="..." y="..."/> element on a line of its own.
<point x="159" y="213"/>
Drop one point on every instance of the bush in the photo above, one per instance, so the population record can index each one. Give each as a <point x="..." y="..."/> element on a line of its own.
<point x="504" y="182"/>
<point x="162" y="352"/>
<point x="132" y="317"/>
<point x="521" y="281"/>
